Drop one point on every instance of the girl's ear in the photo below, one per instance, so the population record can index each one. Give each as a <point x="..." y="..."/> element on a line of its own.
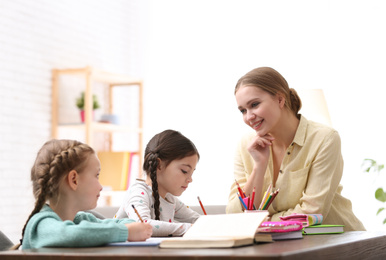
<point x="72" y="178"/>
<point x="160" y="166"/>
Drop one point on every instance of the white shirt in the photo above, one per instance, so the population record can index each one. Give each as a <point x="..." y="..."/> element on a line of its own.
<point x="175" y="216"/>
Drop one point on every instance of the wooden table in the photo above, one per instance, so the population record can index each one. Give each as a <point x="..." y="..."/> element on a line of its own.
<point x="350" y="245"/>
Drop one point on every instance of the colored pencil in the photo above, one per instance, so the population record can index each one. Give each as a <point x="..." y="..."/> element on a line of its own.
<point x="267" y="202"/>
<point x="136" y="212"/>
<point x="240" y="190"/>
<point x="253" y="199"/>
<point x="242" y="202"/>
<point x="273" y="197"/>
<point x="202" y="206"/>
<point x="266" y="194"/>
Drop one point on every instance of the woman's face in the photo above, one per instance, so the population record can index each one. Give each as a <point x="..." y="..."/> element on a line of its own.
<point x="176" y="177"/>
<point x="260" y="110"/>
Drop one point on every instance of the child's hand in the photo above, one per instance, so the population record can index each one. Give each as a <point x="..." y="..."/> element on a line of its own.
<point x="139" y="231"/>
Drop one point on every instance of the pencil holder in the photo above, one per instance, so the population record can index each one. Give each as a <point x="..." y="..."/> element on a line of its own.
<point x="252" y="211"/>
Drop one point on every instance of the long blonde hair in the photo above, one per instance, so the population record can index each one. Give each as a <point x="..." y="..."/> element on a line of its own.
<point x="53" y="162"/>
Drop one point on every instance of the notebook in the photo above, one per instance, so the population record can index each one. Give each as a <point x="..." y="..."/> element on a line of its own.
<point x="277" y="236"/>
<point x="323" y="229"/>
<point x="153" y="241"/>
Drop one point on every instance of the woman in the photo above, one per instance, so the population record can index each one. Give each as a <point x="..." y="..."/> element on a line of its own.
<point x="301" y="158"/>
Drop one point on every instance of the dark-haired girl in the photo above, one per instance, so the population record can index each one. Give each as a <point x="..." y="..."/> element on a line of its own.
<point x="169" y="162"/>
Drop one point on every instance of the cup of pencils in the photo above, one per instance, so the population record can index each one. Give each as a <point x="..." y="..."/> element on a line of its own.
<point x="252" y="211"/>
<point x="247" y="202"/>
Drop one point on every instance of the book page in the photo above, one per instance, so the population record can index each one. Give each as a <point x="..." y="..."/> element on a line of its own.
<point x="227" y="225"/>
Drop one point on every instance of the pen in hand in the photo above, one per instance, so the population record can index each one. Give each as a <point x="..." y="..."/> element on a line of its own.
<point x="136" y="212"/>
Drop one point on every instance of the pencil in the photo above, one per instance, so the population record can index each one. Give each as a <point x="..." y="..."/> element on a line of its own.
<point x="202" y="206"/>
<point x="266" y="194"/>
<point x="253" y="198"/>
<point x="240" y="190"/>
<point x="267" y="202"/>
<point x="242" y="202"/>
<point x="273" y="197"/>
<point x="136" y="212"/>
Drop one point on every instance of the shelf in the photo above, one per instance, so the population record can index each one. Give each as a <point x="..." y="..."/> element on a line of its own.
<point x="102" y="76"/>
<point x="110" y="81"/>
<point x="103" y="127"/>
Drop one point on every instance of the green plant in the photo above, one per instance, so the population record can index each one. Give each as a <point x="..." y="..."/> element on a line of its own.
<point x="80" y="102"/>
<point x="370" y="165"/>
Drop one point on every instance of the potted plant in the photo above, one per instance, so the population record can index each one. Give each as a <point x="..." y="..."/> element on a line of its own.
<point x="370" y="165"/>
<point x="80" y="104"/>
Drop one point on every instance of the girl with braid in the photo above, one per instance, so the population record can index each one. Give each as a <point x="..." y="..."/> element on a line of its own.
<point x="65" y="183"/>
<point x="169" y="162"/>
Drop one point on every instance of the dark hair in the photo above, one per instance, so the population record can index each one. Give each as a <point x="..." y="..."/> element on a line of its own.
<point x="53" y="162"/>
<point x="168" y="146"/>
<point x="272" y="82"/>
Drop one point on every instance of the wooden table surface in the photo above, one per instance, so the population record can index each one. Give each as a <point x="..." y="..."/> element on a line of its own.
<point x="349" y="245"/>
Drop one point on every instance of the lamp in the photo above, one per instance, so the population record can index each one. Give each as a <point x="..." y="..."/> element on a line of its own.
<point x="314" y="106"/>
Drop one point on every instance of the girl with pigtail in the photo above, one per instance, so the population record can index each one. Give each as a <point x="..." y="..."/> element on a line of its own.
<point x="169" y="162"/>
<point x="65" y="183"/>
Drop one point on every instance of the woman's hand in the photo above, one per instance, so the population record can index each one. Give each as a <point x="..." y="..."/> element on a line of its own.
<point x="259" y="148"/>
<point x="139" y="231"/>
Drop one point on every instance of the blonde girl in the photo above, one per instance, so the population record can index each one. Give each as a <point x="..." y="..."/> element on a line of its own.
<point x="65" y="183"/>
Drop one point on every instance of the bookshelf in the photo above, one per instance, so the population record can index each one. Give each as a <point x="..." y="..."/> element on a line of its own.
<point x="89" y="80"/>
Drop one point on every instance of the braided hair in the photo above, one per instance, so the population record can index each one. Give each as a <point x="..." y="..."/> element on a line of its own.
<point x="53" y="162"/>
<point x="167" y="146"/>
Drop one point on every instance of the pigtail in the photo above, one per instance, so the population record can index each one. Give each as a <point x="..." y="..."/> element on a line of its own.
<point x="40" y="193"/>
<point x="153" y="164"/>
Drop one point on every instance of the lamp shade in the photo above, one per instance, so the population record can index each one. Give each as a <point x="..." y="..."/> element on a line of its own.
<point x="314" y="106"/>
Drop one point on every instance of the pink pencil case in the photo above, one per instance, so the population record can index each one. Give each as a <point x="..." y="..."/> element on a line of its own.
<point x="306" y="219"/>
<point x="280" y="226"/>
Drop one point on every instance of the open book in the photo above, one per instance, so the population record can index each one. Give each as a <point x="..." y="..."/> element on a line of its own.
<point x="219" y="231"/>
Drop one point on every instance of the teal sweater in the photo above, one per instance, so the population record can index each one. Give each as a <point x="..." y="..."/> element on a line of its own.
<point x="47" y="229"/>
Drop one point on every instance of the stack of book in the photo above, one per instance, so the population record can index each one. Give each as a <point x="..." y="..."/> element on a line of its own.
<point x="280" y="230"/>
<point x="312" y="224"/>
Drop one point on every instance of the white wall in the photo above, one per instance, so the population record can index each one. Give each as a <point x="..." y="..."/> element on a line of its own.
<point x="35" y="37"/>
<point x="194" y="53"/>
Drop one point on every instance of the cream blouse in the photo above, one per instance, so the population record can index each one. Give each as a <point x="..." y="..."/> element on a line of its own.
<point x="308" y="179"/>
